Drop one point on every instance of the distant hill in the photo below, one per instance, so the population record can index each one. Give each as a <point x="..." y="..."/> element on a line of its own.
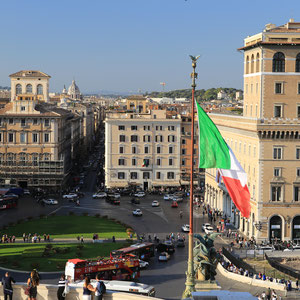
<point x="4" y="87"/>
<point x="201" y="95"/>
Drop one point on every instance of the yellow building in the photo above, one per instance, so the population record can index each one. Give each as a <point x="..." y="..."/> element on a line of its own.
<point x="266" y="138"/>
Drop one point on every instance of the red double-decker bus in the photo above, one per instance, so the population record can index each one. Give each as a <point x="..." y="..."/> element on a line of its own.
<point x="143" y="251"/>
<point x="125" y="268"/>
<point x="8" y="203"/>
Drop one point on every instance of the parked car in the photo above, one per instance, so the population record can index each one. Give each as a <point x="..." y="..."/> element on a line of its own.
<point x="180" y="243"/>
<point x="70" y="196"/>
<point x="204" y="226"/>
<point x="99" y="195"/>
<point x="143" y="264"/>
<point x="50" y="201"/>
<point x="140" y="194"/>
<point x="155" y="203"/>
<point x="185" y="228"/>
<point x="168" y="197"/>
<point x="209" y="229"/>
<point x="164" y="256"/>
<point x="174" y="204"/>
<point x="137" y="213"/>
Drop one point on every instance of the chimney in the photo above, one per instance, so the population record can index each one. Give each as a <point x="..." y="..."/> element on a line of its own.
<point x="269" y="26"/>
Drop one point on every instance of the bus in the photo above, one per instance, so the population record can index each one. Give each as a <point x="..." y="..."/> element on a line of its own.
<point x="143" y="251"/>
<point x="9" y="202"/>
<point x="125" y="268"/>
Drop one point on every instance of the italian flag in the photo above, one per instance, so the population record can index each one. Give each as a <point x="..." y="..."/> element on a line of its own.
<point x="215" y="153"/>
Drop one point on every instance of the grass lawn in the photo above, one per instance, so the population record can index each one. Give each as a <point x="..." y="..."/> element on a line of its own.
<point x="68" y="227"/>
<point x="25" y="257"/>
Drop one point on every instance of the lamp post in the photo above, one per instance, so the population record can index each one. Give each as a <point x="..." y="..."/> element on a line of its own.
<point x="190" y="274"/>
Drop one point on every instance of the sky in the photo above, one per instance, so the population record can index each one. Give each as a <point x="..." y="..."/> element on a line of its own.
<point x="133" y="45"/>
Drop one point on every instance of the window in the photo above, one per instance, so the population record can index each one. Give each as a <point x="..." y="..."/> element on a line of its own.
<point x="158" y="176"/>
<point x="158" y="128"/>
<point x="158" y="148"/>
<point x="121" y="162"/>
<point x="183" y="162"/>
<point x="298" y="111"/>
<point x="35" y="159"/>
<point x="10" y="137"/>
<point x="183" y="141"/>
<point x="276" y="193"/>
<point x="277" y="153"/>
<point x="279" y="62"/>
<point x="46" y="137"/>
<point x="170" y="149"/>
<point x="146" y="175"/>
<point x="23" y="108"/>
<point x="246" y="88"/>
<point x="133" y="162"/>
<point x="121" y="175"/>
<point x="170" y="161"/>
<point x="121" y="149"/>
<point x="133" y="149"/>
<point x="34" y="137"/>
<point x="297" y="153"/>
<point x="146" y="127"/>
<point x="39" y="89"/>
<point x="257" y="63"/>
<point x="146" y="162"/>
<point x="254" y="151"/>
<point x="247" y="65"/>
<point x="146" y="149"/>
<point x="11" y="121"/>
<point x="171" y="128"/>
<point x="22" y="137"/>
<point x="47" y="122"/>
<point x="35" y="121"/>
<point x="121" y="127"/>
<point x="170" y="175"/>
<point x="278" y="88"/>
<point x="23" y="122"/>
<point x="134" y="138"/>
<point x="28" y="89"/>
<point x="158" y="161"/>
<point x="147" y="138"/>
<point x="183" y="151"/>
<point x="1" y="137"/>
<point x="18" y="89"/>
<point x="171" y="138"/>
<point x="277" y="172"/>
<point x="122" y="138"/>
<point x="297" y="69"/>
<point x="277" y="111"/>
<point x="134" y="127"/>
<point x="298" y="172"/>
<point x="133" y="175"/>
<point x="158" y="138"/>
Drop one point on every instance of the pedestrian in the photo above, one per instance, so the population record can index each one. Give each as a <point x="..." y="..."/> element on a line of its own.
<point x="24" y="237"/>
<point x="269" y="294"/>
<point x="78" y="238"/>
<point x="81" y="240"/>
<point x="100" y="288"/>
<point x="32" y="283"/>
<point x="48" y="237"/>
<point x="39" y="238"/>
<point x="61" y="287"/>
<point x="113" y="239"/>
<point x="87" y="289"/>
<point x="45" y="237"/>
<point x="297" y="284"/>
<point x="7" y="281"/>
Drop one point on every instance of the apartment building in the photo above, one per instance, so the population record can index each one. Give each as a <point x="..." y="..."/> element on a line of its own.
<point x="142" y="147"/>
<point x="266" y="138"/>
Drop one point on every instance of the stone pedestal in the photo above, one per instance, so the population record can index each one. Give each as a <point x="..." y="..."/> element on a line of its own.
<point x="206" y="285"/>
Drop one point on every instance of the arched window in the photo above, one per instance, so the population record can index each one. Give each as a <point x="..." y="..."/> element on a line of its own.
<point x="298" y="62"/>
<point x="279" y="62"/>
<point x="257" y="63"/>
<point x="18" y="89"/>
<point x="252" y="63"/>
<point x="39" y="89"/>
<point x="28" y="89"/>
<point x="247" y="65"/>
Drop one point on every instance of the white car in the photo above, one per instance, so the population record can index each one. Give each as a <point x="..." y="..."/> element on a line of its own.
<point x="117" y="195"/>
<point x="140" y="194"/>
<point x="143" y="264"/>
<point x="185" y="228"/>
<point x="70" y="196"/>
<point x="164" y="256"/>
<point x="99" y="195"/>
<point x="155" y="203"/>
<point x="204" y="226"/>
<point x="209" y="230"/>
<point x="26" y="192"/>
<point x="137" y="213"/>
<point x="168" y="197"/>
<point x="50" y="201"/>
<point x="177" y="198"/>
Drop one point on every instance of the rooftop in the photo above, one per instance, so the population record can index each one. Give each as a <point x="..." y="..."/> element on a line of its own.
<point x="29" y="74"/>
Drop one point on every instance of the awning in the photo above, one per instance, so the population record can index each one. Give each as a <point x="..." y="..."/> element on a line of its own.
<point x="163" y="183"/>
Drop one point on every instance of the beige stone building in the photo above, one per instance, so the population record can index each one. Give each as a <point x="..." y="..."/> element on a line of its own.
<point x="266" y="138"/>
<point x="142" y="148"/>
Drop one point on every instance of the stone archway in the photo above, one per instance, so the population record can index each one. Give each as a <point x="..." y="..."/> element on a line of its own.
<point x="275" y="229"/>
<point x="296" y="229"/>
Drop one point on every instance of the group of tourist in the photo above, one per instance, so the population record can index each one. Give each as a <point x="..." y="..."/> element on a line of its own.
<point x="34" y="238"/>
<point x="7" y="239"/>
<point x="269" y="295"/>
<point x="63" y="288"/>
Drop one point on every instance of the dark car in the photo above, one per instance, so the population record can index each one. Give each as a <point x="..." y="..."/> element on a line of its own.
<point x="180" y="243"/>
<point x="166" y="247"/>
<point x="135" y="201"/>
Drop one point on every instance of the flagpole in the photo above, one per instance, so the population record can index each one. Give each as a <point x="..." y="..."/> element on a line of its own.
<point x="190" y="274"/>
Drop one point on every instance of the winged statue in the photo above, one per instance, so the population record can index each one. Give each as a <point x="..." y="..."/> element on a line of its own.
<point x="194" y="58"/>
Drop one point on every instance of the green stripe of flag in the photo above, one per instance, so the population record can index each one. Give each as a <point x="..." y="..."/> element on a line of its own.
<point x="213" y="150"/>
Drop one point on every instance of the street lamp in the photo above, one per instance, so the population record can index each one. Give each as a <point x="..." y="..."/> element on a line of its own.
<point x="190" y="274"/>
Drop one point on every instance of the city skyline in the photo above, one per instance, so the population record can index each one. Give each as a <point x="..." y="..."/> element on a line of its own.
<point x="132" y="46"/>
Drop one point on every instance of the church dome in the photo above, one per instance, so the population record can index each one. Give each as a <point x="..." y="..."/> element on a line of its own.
<point x="74" y="91"/>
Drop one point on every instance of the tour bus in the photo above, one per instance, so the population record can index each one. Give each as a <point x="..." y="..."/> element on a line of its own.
<point x="125" y="268"/>
<point x="123" y="286"/>
<point x="8" y="203"/>
<point x="143" y="251"/>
